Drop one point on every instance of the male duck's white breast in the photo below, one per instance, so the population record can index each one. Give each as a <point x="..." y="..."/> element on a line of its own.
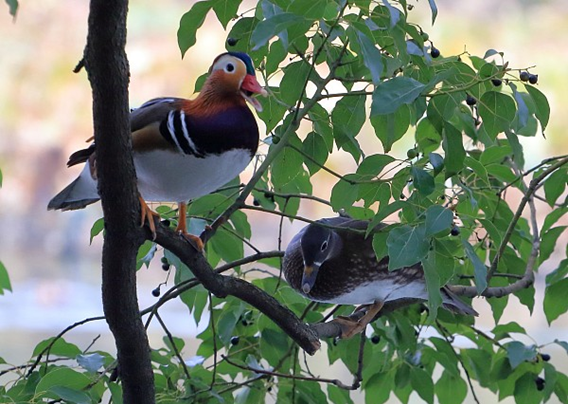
<point x="165" y="176"/>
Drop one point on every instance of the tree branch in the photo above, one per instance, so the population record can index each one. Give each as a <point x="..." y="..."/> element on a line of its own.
<point x="108" y="72"/>
<point x="221" y="286"/>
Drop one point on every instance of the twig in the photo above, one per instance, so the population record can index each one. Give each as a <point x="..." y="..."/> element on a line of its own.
<point x="174" y="347"/>
<point x="444" y="333"/>
<point x="335" y="382"/>
<point x="214" y="333"/>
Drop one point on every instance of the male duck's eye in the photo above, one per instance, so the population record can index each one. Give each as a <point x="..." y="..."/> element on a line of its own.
<point x="324" y="246"/>
<point x="229" y="68"/>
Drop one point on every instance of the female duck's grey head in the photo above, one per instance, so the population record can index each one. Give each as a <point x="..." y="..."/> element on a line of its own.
<point x="318" y="245"/>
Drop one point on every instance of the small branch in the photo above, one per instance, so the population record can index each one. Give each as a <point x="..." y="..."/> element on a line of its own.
<point x="335" y="382"/>
<point x="444" y="333"/>
<point x="174" y="347"/>
<point x="214" y="333"/>
<point x="222" y="286"/>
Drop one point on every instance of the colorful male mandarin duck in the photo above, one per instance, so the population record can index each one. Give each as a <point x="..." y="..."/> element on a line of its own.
<point x="183" y="149"/>
<point x="337" y="265"/>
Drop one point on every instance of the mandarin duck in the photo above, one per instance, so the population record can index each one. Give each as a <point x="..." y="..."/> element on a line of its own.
<point x="336" y="265"/>
<point x="183" y="149"/>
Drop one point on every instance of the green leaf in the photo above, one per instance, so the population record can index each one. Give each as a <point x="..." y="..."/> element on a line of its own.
<point x="549" y="241"/>
<point x="59" y="348"/>
<point x="344" y="193"/>
<point x="295" y="75"/>
<point x="437" y="162"/>
<point x="454" y="151"/>
<point x="434" y="10"/>
<point x="542" y="106"/>
<point x="226" y="10"/>
<point x="555" y="185"/>
<point x="4" y="279"/>
<point x="286" y="166"/>
<point x="423" y="181"/>
<point x="98" y="226"/>
<point x="189" y="24"/>
<point x="314" y="146"/>
<point x="378" y="387"/>
<point x="390" y="128"/>
<point x="497" y="111"/>
<point x="70" y="395"/>
<point x="310" y="9"/>
<point x="407" y="245"/>
<point x="480" y="270"/>
<point x="391" y="94"/>
<point x="272" y="26"/>
<point x="555" y="302"/>
<point x="13" y="4"/>
<point x="517" y="352"/>
<point x="371" y="57"/>
<point x="421" y="382"/>
<point x="62" y="377"/>
<point x="347" y="118"/>
<point x="450" y="389"/>
<point x="337" y="395"/>
<point x="438" y="219"/>
<point x="526" y="391"/>
<point x="432" y="284"/>
<point x="373" y="165"/>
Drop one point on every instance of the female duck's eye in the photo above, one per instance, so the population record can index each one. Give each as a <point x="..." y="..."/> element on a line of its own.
<point x="230" y="67"/>
<point x="324" y="246"/>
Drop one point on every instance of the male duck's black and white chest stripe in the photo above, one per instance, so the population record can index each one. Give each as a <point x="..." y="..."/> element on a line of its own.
<point x="233" y="128"/>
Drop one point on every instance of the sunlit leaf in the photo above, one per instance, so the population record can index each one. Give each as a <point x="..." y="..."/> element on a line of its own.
<point x="391" y="94"/>
<point x="189" y="24"/>
<point x="407" y="245"/>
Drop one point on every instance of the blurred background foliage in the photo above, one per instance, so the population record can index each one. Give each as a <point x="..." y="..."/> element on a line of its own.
<point x="45" y="115"/>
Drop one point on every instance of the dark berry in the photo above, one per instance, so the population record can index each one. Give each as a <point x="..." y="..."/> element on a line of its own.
<point x="434" y="52"/>
<point x="256" y="202"/>
<point x="244" y="322"/>
<point x="235" y="340"/>
<point x="166" y="266"/>
<point x="524" y="76"/>
<point x="375" y="339"/>
<point x="455" y="231"/>
<point x="497" y="82"/>
<point x="166" y="222"/>
<point x="402" y="196"/>
<point x="533" y="78"/>
<point x="164" y="260"/>
<point x="232" y="41"/>
<point x="411" y="153"/>
<point x="471" y="101"/>
<point x="545" y="357"/>
<point x="156" y="292"/>
<point x="275" y="139"/>
<point x="539" y="383"/>
<point x="269" y="389"/>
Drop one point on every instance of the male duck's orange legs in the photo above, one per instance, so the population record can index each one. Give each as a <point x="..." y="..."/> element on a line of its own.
<point x="148" y="215"/>
<point x="182" y="227"/>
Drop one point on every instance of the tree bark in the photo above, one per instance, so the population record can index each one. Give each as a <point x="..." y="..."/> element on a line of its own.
<point x="107" y="67"/>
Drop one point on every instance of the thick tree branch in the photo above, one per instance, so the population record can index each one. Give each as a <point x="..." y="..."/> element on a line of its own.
<point x="107" y="68"/>
<point x="221" y="286"/>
